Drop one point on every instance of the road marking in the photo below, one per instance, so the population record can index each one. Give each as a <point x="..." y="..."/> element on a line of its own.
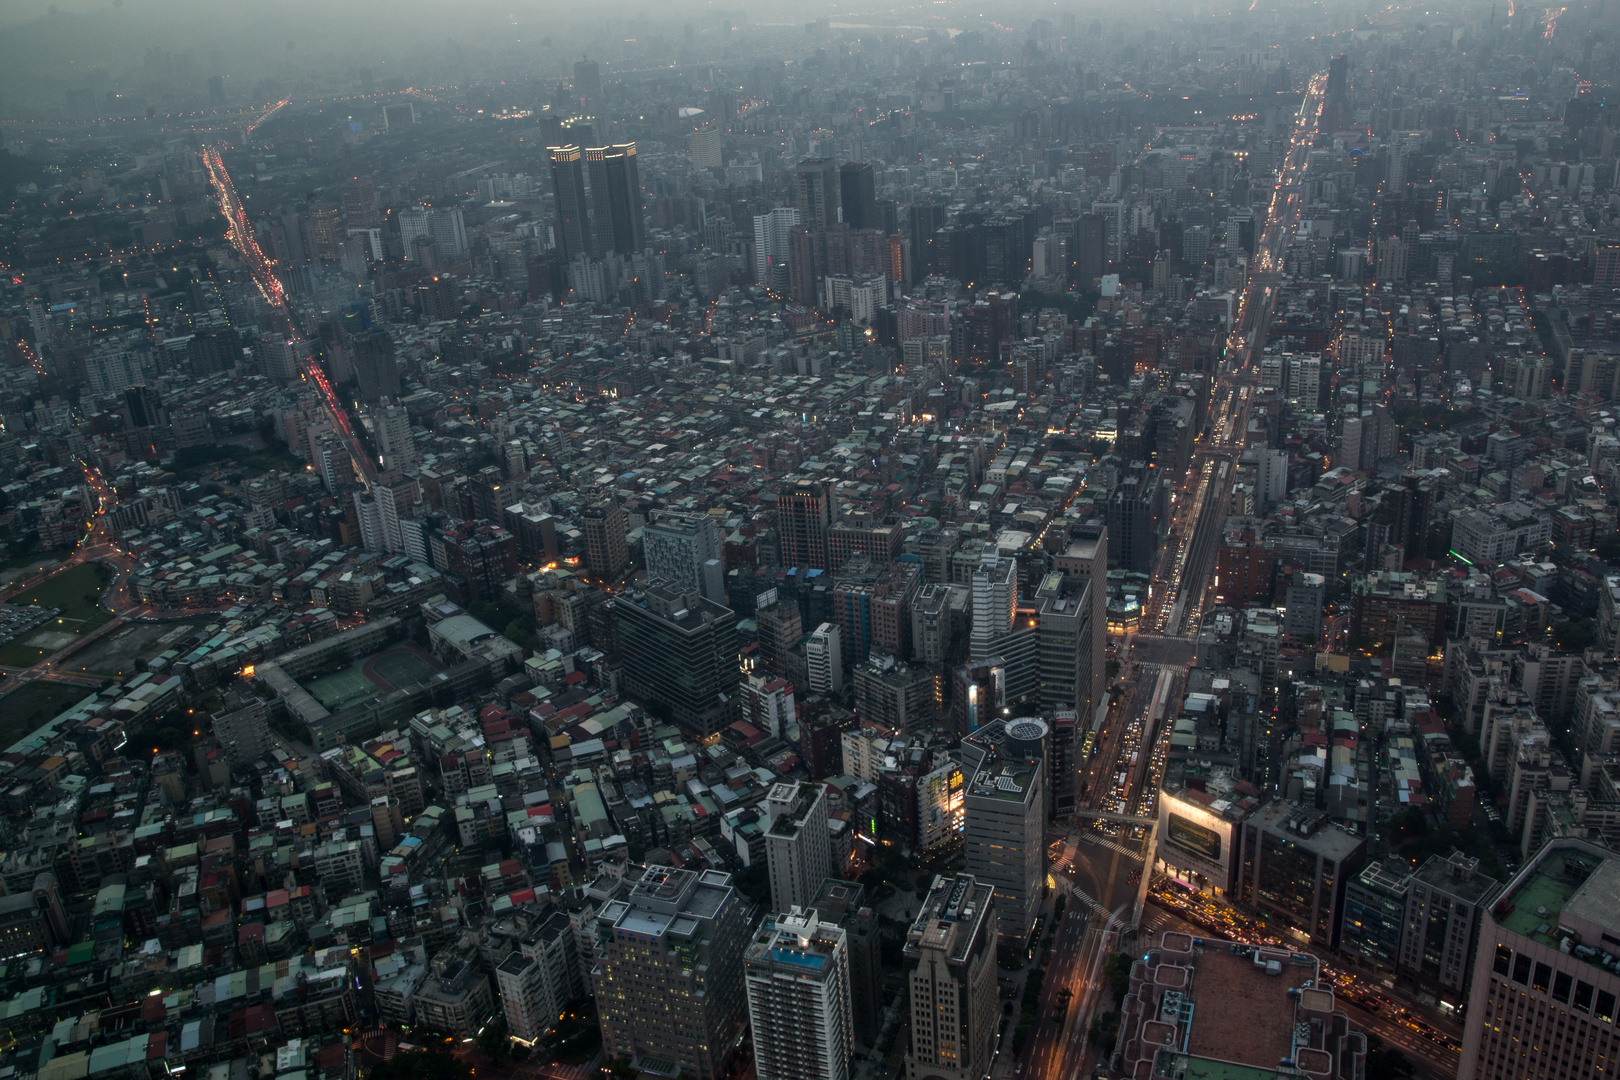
<point x="1115" y="845"/>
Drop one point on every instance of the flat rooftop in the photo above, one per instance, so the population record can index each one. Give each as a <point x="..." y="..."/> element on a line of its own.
<point x="1574" y="888"/>
<point x="1241" y="1014"/>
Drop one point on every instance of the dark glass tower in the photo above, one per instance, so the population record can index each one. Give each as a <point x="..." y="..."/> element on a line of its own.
<point x="616" y="194"/>
<point x="568" y="177"/>
<point x="858" y="193"/>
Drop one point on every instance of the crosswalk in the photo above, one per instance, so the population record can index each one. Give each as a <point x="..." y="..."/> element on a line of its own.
<point x="1104" y="841"/>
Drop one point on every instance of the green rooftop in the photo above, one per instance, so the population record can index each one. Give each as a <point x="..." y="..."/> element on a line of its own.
<point x="1543" y="894"/>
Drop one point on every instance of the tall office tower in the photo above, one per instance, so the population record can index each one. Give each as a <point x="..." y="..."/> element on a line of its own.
<point x="1336" y="95"/>
<point x="703" y="144"/>
<point x="995" y="603"/>
<point x="669" y="973"/>
<point x="844" y="902"/>
<point x="1005" y="815"/>
<point x="1089" y="251"/>
<point x="771" y="246"/>
<point x="824" y="660"/>
<point x="1087" y="556"/>
<point x="815" y="184"/>
<point x="375" y="368"/>
<point x="798" y="851"/>
<point x="607" y="551"/>
<point x="1440" y="939"/>
<point x="685" y="548"/>
<point x="587" y="80"/>
<point x="397" y="496"/>
<point x="326" y="230"/>
<point x="394" y="438"/>
<point x="923" y="220"/>
<point x="1201" y="1007"/>
<point x="799" y="998"/>
<point x="680" y="655"/>
<point x="1065" y="636"/>
<point x="951" y="948"/>
<point x="216" y="91"/>
<point x="857" y="193"/>
<point x="358" y="197"/>
<point x="1546" y="977"/>
<point x="804" y="513"/>
<point x="616" y="196"/>
<point x="568" y="182"/>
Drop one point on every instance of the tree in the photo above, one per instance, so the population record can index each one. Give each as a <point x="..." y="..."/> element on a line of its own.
<point x="1575" y="636"/>
<point x="1608" y="549"/>
<point x="431" y="1064"/>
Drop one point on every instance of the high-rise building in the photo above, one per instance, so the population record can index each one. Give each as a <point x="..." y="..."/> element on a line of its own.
<point x="804" y="514"/>
<point x="1202" y="1007"/>
<point x="1005" y="817"/>
<point x="685" y="548"/>
<point x="951" y="950"/>
<point x="244" y="733"/>
<point x="394" y="438"/>
<point x="607" y="551"/>
<point x="703" y="144"/>
<point x="1444" y="904"/>
<point x="1064" y="638"/>
<point x="995" y="603"/>
<point x="616" y="197"/>
<point x="767" y="704"/>
<point x="1086" y="556"/>
<point x="815" y="183"/>
<point x="358" y="198"/>
<point x="1295" y="866"/>
<point x="824" y="660"/>
<point x="799" y="1000"/>
<point x="540" y="978"/>
<point x="1546" y="989"/>
<point x="771" y="232"/>
<point x="844" y="902"/>
<point x="375" y="367"/>
<point x="894" y="695"/>
<point x="798" y="850"/>
<point x="574" y="237"/>
<point x="669" y="973"/>
<point x="680" y="655"/>
<point x="858" y="195"/>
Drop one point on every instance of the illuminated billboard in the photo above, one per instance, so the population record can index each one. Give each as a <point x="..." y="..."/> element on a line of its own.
<point x="1197" y="844"/>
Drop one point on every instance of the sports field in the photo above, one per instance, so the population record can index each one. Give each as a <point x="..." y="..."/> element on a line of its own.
<point x="372" y="675"/>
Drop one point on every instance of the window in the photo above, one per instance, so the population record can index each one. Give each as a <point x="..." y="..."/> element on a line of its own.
<point x="1605" y="1007"/>
<point x="1561" y="985"/>
<point x="1521" y="970"/>
<point x="1583" y="997"/>
<point x="1504" y="959"/>
<point x="1542" y="978"/>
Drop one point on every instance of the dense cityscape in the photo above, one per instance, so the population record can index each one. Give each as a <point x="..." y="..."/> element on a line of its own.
<point x="1055" y="543"/>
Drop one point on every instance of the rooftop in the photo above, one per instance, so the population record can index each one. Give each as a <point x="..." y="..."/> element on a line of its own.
<point x="1571" y="891"/>
<point x="1241" y="1013"/>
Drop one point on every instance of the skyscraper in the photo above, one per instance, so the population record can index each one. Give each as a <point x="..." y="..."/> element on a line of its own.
<point x="680" y="655"/>
<point x="374" y="366"/>
<point x="616" y="198"/>
<point x="587" y="80"/>
<point x="815" y="184"/>
<point x="1546" y="985"/>
<point x="771" y="246"/>
<point x="568" y="179"/>
<point x="995" y="603"/>
<point x="804" y="513"/>
<point x="1087" y="556"/>
<point x="669" y="974"/>
<point x="685" y="548"/>
<point x="607" y="552"/>
<point x="951" y="950"/>
<point x="799" y="999"/>
<point x="824" y="660"/>
<point x="797" y="849"/>
<point x="1005" y="815"/>
<point x="858" y="195"/>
